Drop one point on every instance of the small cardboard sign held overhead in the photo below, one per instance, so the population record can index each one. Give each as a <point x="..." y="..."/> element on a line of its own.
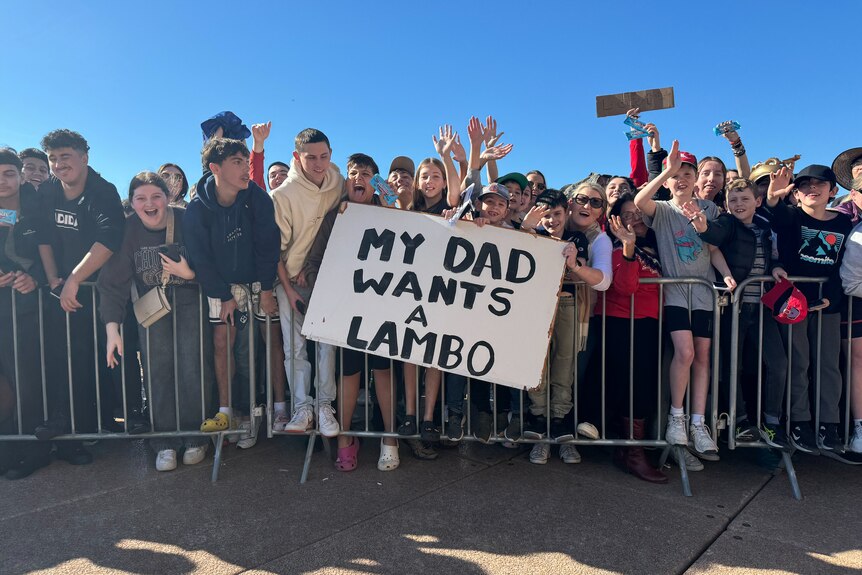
<point x="617" y="104"/>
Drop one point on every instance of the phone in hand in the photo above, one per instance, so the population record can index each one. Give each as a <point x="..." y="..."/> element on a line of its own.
<point x="171" y="250"/>
<point x="57" y="291"/>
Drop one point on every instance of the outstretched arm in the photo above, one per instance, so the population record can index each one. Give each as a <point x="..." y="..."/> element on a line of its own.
<point x="443" y="145"/>
<point x="643" y="200"/>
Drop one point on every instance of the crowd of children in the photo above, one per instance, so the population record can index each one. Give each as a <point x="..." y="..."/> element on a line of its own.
<point x="256" y="255"/>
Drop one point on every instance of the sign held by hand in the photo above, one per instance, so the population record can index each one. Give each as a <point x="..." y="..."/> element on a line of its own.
<point x="619" y="104"/>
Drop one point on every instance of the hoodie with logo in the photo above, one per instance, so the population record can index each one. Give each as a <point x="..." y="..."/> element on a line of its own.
<point x="236" y="244"/>
<point x="300" y="207"/>
<point x="73" y="226"/>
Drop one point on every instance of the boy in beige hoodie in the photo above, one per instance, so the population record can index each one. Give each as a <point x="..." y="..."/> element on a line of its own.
<point x="313" y="187"/>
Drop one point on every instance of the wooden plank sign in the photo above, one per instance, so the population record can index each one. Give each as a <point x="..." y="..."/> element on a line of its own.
<point x="617" y="104"/>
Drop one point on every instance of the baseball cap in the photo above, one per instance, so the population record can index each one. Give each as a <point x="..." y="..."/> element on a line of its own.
<point x="843" y="166"/>
<point x="685" y="158"/>
<point x="787" y="303"/>
<point x="816" y="171"/>
<point x="497" y="189"/>
<point x="402" y="163"/>
<point x="514" y="176"/>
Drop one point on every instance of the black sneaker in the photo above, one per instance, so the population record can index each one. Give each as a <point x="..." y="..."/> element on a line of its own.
<point x="829" y="438"/>
<point x="74" y="453"/>
<point x="429" y="432"/>
<point x="560" y="431"/>
<point x="482" y="426"/>
<point x="513" y="430"/>
<point x="137" y="423"/>
<point x="408" y="426"/>
<point x="745" y="432"/>
<point x="52" y="428"/>
<point x="802" y="438"/>
<point x="422" y="450"/>
<point x="28" y="465"/>
<point x="455" y="427"/>
<point x="536" y="427"/>
<point x="774" y="435"/>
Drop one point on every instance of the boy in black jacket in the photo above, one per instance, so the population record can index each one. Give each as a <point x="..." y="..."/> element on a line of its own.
<point x="811" y="243"/>
<point x="232" y="239"/>
<point x="84" y="227"/>
<point x="745" y="240"/>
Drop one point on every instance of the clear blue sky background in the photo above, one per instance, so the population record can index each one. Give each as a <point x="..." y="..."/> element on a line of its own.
<point x="137" y="79"/>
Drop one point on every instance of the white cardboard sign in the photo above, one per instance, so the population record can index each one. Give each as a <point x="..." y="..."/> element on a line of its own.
<point x="479" y="302"/>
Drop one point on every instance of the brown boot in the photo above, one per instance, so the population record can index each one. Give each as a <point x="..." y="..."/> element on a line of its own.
<point x="636" y="461"/>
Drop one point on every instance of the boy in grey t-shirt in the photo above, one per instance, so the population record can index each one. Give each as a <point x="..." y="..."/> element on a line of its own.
<point x="684" y="254"/>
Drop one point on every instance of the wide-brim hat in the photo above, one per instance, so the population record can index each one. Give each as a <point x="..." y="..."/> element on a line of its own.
<point x="843" y="166"/>
<point x="761" y="169"/>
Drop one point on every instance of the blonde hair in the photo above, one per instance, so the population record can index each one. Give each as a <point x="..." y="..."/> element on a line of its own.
<point x="596" y="187"/>
<point x="419" y="199"/>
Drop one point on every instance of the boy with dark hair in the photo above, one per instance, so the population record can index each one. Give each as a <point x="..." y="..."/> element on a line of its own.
<point x="400" y="179"/>
<point x="276" y="173"/>
<point x="20" y="357"/>
<point x="745" y="240"/>
<point x="811" y="244"/>
<point x="232" y="241"/>
<point x="35" y="166"/>
<point x="85" y="228"/>
<point x="313" y="187"/>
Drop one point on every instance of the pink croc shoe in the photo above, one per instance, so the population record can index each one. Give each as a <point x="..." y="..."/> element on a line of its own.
<point x="346" y="460"/>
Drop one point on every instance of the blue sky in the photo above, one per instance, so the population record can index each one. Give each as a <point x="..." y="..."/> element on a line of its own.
<point x="137" y="79"/>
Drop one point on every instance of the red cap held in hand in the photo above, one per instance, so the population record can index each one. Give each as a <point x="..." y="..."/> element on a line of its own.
<point x="787" y="303"/>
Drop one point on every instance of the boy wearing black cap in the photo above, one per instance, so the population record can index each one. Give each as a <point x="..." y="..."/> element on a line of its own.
<point x="811" y="244"/>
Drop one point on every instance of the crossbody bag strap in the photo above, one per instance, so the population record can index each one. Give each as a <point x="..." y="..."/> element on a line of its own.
<point x="169" y="239"/>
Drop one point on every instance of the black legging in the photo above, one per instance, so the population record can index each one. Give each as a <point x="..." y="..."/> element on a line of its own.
<point x="645" y="363"/>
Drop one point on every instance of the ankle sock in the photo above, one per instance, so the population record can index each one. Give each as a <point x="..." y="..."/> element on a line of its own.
<point x="226" y="410"/>
<point x="771" y="419"/>
<point x="697" y="419"/>
<point x="676" y="410"/>
<point x="280" y="408"/>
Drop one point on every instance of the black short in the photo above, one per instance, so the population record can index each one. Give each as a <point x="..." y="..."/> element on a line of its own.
<point x="676" y="319"/>
<point x="353" y="362"/>
<point x="856" y="329"/>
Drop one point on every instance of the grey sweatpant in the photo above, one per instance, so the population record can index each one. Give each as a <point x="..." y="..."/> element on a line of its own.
<point x="803" y="347"/>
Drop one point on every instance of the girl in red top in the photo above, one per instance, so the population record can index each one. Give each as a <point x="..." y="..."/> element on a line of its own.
<point x="635" y="256"/>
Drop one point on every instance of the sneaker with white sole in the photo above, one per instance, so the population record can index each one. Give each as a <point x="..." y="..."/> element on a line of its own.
<point x="327" y="422"/>
<point x="692" y="463"/>
<point x="302" y="420"/>
<point x="166" y="460"/>
<point x="704" y="446"/>
<point x="569" y="453"/>
<point x="195" y="454"/>
<point x="856" y="442"/>
<point x="280" y="421"/>
<point x="249" y="439"/>
<point x="588" y="430"/>
<point x="540" y="453"/>
<point x="675" y="433"/>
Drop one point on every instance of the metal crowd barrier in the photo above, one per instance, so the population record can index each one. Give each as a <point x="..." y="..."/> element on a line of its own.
<point x="733" y="376"/>
<point x="99" y="352"/>
<point x="655" y="440"/>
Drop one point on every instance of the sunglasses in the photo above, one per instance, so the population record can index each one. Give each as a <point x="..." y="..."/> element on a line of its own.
<point x="583" y="200"/>
<point x="538" y="186"/>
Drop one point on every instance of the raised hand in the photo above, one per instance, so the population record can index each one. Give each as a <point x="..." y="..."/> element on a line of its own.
<point x="779" y="183"/>
<point x="491" y="135"/>
<point x="695" y="215"/>
<point x="673" y="161"/>
<point x="446" y="140"/>
<point x="458" y="152"/>
<point x="535" y="215"/>
<point x="624" y="233"/>
<point x="475" y="131"/>
<point x="633" y="113"/>
<point x="653" y="138"/>
<point x="260" y="132"/>
<point x="495" y="153"/>
<point x="731" y="136"/>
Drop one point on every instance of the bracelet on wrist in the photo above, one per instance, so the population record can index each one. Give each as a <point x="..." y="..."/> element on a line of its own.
<point x="740" y="151"/>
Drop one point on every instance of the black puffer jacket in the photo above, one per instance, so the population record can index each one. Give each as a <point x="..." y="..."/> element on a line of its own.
<point x="738" y="243"/>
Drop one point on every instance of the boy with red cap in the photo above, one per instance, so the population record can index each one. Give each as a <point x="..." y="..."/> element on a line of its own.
<point x="811" y="241"/>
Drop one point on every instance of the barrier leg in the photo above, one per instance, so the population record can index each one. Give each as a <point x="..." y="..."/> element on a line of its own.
<point x="308" y="452"/>
<point x="683" y="471"/>
<point x="219" y="441"/>
<point x="791" y="475"/>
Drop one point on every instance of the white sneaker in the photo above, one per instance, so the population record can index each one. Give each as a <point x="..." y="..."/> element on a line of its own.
<point x="540" y="453"/>
<point x="249" y="439"/>
<point x="194" y="455"/>
<point x="675" y="433"/>
<point x="327" y="422"/>
<point x="692" y="463"/>
<point x="704" y="446"/>
<point x="302" y="420"/>
<point x="166" y="460"/>
<point x="280" y="421"/>
<point x="569" y="454"/>
<point x="856" y="442"/>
